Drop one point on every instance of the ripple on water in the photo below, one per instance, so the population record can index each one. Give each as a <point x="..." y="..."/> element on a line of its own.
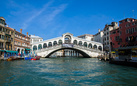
<point x="66" y="72"/>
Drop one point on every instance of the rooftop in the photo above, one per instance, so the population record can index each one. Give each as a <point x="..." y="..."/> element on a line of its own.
<point x="33" y="36"/>
<point x="85" y="35"/>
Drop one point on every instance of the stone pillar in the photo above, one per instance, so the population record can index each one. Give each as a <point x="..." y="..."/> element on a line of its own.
<point x="71" y="53"/>
<point x="63" y="52"/>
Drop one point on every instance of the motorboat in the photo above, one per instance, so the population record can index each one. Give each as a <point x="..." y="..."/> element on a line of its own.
<point x="36" y="58"/>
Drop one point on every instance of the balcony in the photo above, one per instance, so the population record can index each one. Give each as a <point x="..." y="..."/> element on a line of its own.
<point x="8" y="40"/>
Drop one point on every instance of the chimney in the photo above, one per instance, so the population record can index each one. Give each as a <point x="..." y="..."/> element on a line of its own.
<point x="27" y="34"/>
<point x="7" y="25"/>
<point x="20" y="30"/>
<point x="98" y="30"/>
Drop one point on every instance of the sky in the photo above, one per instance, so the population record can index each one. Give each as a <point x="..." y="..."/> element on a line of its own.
<point x="52" y="18"/>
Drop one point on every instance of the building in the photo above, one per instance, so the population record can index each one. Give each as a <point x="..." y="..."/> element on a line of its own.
<point x="98" y="37"/>
<point x="6" y="36"/>
<point x="128" y="32"/>
<point x="106" y="37"/>
<point x="35" y="39"/>
<point x="88" y="37"/>
<point x="21" y="42"/>
<point x="114" y="39"/>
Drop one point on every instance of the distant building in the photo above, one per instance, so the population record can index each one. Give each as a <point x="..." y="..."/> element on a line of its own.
<point x="88" y="37"/>
<point x="106" y="37"/>
<point x="98" y="37"/>
<point x="35" y="39"/>
<point x="114" y="39"/>
<point x="22" y="42"/>
<point x="128" y="32"/>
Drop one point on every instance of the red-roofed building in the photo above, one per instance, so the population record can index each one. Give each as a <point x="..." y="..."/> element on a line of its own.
<point x="128" y="32"/>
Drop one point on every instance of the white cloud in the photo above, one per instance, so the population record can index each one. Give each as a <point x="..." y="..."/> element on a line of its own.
<point x="37" y="13"/>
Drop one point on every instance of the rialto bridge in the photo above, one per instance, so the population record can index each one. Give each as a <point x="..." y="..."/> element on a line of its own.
<point x="68" y="41"/>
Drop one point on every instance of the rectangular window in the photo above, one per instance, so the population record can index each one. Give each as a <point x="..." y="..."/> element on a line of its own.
<point x="133" y="23"/>
<point x="107" y="38"/>
<point x="120" y="22"/>
<point x="118" y="43"/>
<point x="135" y="29"/>
<point x="2" y="36"/>
<point x="127" y="31"/>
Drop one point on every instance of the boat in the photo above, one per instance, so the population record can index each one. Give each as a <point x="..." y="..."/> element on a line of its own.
<point x="28" y="58"/>
<point x="125" y="56"/>
<point x="12" y="58"/>
<point x="36" y="58"/>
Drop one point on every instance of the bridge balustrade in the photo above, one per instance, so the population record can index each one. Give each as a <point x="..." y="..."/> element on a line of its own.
<point x="69" y="46"/>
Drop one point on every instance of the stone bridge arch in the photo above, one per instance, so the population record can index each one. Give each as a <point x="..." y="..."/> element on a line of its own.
<point x="91" y="48"/>
<point x="84" y="54"/>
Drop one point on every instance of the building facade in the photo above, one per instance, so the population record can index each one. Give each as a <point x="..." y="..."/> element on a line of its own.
<point x="98" y="37"/>
<point x="128" y="32"/>
<point x="88" y="37"/>
<point x="114" y="39"/>
<point x="35" y="39"/>
<point x="6" y="36"/>
<point x="21" y="42"/>
<point x="106" y="37"/>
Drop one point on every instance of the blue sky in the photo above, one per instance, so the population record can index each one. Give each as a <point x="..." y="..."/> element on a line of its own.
<point x="52" y="18"/>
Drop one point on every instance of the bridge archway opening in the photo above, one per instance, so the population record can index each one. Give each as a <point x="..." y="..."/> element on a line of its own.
<point x="95" y="46"/>
<point x="80" y="43"/>
<point x="60" y="42"/>
<point x="67" y="39"/>
<point x="34" y="47"/>
<point x="54" y="43"/>
<point x="49" y="44"/>
<point x="73" y="53"/>
<point x="44" y="45"/>
<point x="75" y="42"/>
<point x="90" y="45"/>
<point x="39" y="46"/>
<point x="85" y="44"/>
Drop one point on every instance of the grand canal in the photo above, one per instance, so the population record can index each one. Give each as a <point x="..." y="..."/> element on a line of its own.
<point x="65" y="72"/>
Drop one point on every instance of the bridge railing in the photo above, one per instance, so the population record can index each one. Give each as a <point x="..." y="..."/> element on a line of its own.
<point x="87" y="48"/>
<point x="69" y="46"/>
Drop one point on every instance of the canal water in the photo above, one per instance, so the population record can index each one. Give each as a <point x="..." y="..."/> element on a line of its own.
<point x="66" y="71"/>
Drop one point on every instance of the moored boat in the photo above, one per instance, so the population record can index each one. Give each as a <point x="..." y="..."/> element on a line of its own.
<point x="125" y="56"/>
<point x="36" y="58"/>
<point x="28" y="58"/>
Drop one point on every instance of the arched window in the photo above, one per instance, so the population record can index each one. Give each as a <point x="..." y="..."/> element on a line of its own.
<point x="85" y="44"/>
<point x="90" y="45"/>
<point x="60" y="42"/>
<point x="39" y="46"/>
<point x="75" y="42"/>
<point x="44" y="45"/>
<point x="100" y="48"/>
<point x="55" y="43"/>
<point x="95" y="46"/>
<point x="80" y="43"/>
<point x="50" y="44"/>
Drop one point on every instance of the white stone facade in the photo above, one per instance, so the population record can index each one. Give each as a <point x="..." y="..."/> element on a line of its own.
<point x="99" y="36"/>
<point x="88" y="37"/>
<point x="106" y="37"/>
<point x="35" y="39"/>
